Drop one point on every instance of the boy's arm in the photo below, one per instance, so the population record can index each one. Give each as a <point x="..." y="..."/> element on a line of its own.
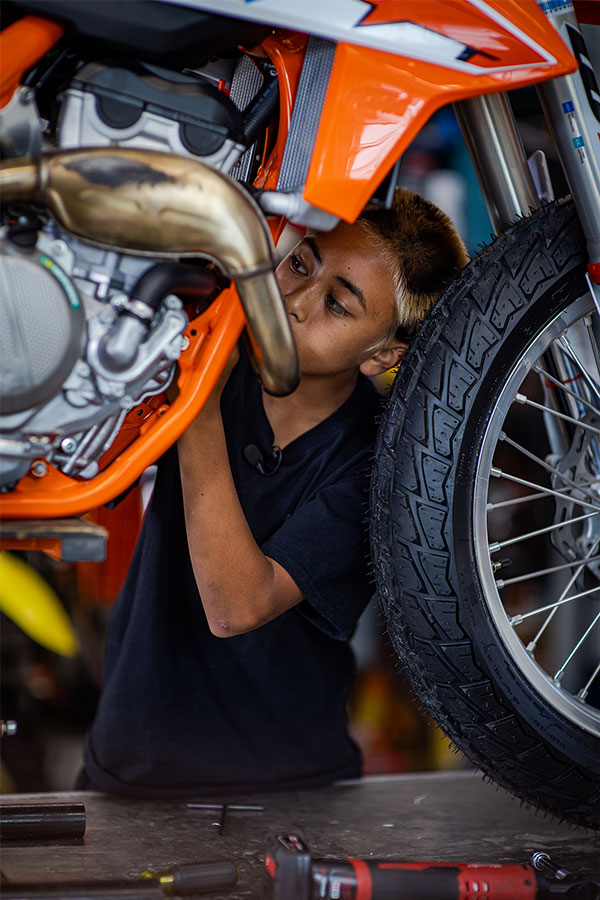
<point x="240" y="587"/>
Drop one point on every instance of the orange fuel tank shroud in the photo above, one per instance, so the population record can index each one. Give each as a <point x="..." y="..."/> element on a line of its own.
<point x="377" y="102"/>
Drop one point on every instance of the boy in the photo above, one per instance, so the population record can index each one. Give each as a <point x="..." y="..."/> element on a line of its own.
<point x="256" y="533"/>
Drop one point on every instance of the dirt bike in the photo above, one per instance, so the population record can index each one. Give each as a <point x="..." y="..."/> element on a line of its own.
<point x="154" y="153"/>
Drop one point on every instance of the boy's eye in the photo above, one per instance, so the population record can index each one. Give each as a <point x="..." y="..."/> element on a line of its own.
<point x="336" y="307"/>
<point x="297" y="265"/>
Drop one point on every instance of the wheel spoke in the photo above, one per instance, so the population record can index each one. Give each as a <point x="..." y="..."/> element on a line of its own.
<point x="517" y="501"/>
<point x="502" y="583"/>
<point x="499" y="473"/>
<point x="568" y="348"/>
<point x="559" y="674"/>
<point x="526" y="401"/>
<point x="586" y="688"/>
<point x="500" y="545"/>
<point x="552" y="469"/>
<point x="533" y="644"/>
<point x="560" y="384"/>
<point x="520" y="617"/>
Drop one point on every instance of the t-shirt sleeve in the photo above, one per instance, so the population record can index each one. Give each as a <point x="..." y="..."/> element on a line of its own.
<point x="324" y="546"/>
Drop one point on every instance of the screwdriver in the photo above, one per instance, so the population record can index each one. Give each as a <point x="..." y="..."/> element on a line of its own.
<point x="189" y="878"/>
<point x="196" y="878"/>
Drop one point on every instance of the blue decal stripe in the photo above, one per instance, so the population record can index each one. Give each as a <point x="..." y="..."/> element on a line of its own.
<point x="550" y="5"/>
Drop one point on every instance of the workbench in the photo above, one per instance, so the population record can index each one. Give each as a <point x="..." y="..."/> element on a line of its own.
<point x="448" y="816"/>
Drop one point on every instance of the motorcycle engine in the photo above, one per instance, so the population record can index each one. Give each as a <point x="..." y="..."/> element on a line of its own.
<point x="63" y="400"/>
<point x="151" y="108"/>
<point x="62" y="301"/>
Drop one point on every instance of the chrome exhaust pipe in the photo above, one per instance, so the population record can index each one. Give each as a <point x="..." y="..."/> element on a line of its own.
<point x="158" y="204"/>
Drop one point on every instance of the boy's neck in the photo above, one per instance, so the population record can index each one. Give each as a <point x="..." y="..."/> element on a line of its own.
<point x="313" y="401"/>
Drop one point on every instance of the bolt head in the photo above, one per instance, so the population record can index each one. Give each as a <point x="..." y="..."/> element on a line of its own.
<point x="39" y="468"/>
<point x="68" y="445"/>
<point x="58" y="248"/>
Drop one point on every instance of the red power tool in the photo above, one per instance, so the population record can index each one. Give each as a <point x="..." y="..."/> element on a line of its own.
<point x="292" y="874"/>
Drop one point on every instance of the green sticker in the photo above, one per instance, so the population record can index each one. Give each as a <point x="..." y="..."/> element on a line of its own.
<point x="62" y="278"/>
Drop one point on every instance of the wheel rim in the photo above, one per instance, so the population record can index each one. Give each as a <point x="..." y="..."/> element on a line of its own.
<point x="536" y="518"/>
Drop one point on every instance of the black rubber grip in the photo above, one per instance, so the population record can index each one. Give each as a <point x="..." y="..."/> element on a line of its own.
<point x="198" y="878"/>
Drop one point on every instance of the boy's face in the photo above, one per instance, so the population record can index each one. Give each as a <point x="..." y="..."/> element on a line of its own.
<point x="339" y="296"/>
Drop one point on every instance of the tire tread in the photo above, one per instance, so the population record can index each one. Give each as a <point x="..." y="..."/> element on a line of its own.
<point x="414" y="480"/>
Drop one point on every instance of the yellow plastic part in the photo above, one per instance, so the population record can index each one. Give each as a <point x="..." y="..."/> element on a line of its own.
<point x="27" y="599"/>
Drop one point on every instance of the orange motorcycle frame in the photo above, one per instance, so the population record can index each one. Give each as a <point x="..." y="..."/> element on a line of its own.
<point x="375" y="104"/>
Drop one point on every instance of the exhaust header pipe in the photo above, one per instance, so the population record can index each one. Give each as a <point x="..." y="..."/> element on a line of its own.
<point x="158" y="204"/>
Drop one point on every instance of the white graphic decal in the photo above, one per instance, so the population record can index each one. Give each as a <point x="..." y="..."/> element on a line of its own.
<point x="340" y="20"/>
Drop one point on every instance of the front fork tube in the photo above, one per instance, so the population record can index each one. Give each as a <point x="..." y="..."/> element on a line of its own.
<point x="494" y="144"/>
<point x="571" y="105"/>
<point x="572" y="110"/>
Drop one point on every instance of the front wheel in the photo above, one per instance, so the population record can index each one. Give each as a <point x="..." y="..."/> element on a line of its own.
<point x="486" y="516"/>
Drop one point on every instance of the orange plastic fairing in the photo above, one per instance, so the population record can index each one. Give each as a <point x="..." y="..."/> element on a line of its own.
<point x="21" y="45"/>
<point x="489" y="42"/>
<point x="212" y="337"/>
<point x="377" y="102"/>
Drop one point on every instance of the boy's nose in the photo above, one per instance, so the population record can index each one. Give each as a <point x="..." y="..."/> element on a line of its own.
<point x="298" y="302"/>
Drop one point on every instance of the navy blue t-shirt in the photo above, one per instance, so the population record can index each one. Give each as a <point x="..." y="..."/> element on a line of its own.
<point x="185" y="712"/>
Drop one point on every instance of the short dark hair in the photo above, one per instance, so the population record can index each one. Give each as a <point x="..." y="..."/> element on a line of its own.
<point x="424" y="250"/>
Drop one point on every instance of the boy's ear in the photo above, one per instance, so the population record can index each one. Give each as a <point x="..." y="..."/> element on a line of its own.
<point x="384" y="359"/>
